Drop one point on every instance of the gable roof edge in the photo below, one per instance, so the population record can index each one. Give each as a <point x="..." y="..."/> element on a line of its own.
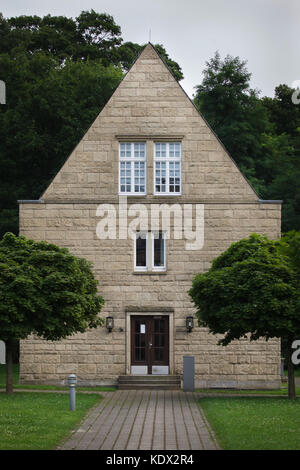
<point x="190" y="100"/>
<point x="110" y="98"/>
<point x="208" y="125"/>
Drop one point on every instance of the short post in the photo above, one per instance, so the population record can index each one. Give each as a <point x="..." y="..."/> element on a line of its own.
<point x="72" y="381"/>
<point x="188" y="373"/>
<point x="282" y="368"/>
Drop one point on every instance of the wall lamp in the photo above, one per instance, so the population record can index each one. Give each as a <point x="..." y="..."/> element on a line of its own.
<point x="189" y="323"/>
<point x="109" y="323"/>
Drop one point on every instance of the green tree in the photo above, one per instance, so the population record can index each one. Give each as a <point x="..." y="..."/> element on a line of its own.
<point x="91" y="35"/>
<point x="282" y="155"/>
<point x="283" y="113"/>
<point x="251" y="289"/>
<point x="290" y="247"/>
<point x="49" y="108"/>
<point x="232" y="108"/>
<point x="261" y="135"/>
<point x="59" y="73"/>
<point x="44" y="291"/>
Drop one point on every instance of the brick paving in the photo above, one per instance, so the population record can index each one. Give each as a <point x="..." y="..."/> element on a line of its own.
<point x="144" y="419"/>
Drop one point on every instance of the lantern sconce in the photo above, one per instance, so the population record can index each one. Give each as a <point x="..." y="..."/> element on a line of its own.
<point x="189" y="323"/>
<point x="109" y="324"/>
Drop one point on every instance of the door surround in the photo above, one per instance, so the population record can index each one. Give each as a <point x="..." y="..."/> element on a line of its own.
<point x="142" y="311"/>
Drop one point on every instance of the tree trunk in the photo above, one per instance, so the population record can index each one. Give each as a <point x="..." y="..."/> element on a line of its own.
<point x="291" y="375"/>
<point x="9" y="366"/>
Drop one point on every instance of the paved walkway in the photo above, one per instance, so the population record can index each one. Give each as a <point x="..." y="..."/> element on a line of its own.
<point x="138" y="420"/>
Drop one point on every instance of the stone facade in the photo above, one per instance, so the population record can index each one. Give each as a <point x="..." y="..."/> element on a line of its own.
<point x="148" y="106"/>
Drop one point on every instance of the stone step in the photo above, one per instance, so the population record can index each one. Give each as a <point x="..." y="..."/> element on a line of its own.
<point x="150" y="382"/>
<point x="150" y="378"/>
<point x="149" y="386"/>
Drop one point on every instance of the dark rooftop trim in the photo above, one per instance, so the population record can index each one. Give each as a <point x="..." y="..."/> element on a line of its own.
<point x="149" y="200"/>
<point x="270" y="201"/>
<point x="30" y="201"/>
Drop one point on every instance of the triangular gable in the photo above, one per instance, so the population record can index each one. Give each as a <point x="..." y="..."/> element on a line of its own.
<point x="150" y="104"/>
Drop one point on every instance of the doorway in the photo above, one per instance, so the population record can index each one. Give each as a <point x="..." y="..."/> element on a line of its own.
<point x="150" y="344"/>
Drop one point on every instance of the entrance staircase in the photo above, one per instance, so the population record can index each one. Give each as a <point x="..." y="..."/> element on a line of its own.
<point x="149" y="382"/>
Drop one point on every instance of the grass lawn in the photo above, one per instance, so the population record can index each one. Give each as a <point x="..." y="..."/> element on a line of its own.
<point x="254" y="423"/>
<point x="297" y="372"/>
<point x="43" y="387"/>
<point x="283" y="391"/>
<point x="39" y="421"/>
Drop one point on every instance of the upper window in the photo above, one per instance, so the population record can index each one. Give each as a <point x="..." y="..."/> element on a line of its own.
<point x="132" y="169"/>
<point x="167" y="168"/>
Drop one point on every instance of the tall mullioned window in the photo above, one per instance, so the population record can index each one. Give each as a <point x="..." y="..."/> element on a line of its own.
<point x="167" y="168"/>
<point x="132" y="168"/>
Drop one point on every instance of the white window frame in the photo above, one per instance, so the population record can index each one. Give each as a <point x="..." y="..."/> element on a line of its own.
<point x="141" y="268"/>
<point x="132" y="159"/>
<point x="164" y="267"/>
<point x="167" y="159"/>
<point x="150" y="236"/>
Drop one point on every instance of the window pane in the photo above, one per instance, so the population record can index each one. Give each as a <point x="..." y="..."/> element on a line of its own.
<point x="125" y="177"/>
<point x="132" y="167"/>
<point x="174" y="177"/>
<point x="160" y="177"/>
<point x="125" y="150"/>
<point x="159" y="250"/>
<point x="139" y="177"/>
<point x="175" y="150"/>
<point x="122" y="150"/>
<point x="128" y="150"/>
<point x="139" y="150"/>
<point x="160" y="150"/>
<point x="141" y="249"/>
<point x="171" y="150"/>
<point x="167" y="171"/>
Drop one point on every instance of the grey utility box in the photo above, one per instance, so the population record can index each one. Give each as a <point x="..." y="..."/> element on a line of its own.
<point x="188" y="373"/>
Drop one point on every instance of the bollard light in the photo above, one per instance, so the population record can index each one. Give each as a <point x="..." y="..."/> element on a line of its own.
<point x="72" y="381"/>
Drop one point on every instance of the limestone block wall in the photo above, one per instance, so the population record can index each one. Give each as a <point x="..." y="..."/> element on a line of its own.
<point x="99" y="357"/>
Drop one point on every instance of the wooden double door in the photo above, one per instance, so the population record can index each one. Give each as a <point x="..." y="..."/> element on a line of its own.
<point x="150" y="344"/>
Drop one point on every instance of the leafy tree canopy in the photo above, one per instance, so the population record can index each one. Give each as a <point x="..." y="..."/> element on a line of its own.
<point x="50" y="107"/>
<point x="45" y="291"/>
<point x="90" y="35"/>
<point x="261" y="134"/>
<point x="252" y="289"/>
<point x="59" y="73"/>
<point x="231" y="107"/>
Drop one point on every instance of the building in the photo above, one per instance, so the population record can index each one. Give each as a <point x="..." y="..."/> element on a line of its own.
<point x="149" y="157"/>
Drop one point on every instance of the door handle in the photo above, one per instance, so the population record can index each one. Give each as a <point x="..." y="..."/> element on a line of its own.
<point x="150" y="345"/>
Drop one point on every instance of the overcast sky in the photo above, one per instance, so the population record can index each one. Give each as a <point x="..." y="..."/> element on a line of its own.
<point x="263" y="32"/>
